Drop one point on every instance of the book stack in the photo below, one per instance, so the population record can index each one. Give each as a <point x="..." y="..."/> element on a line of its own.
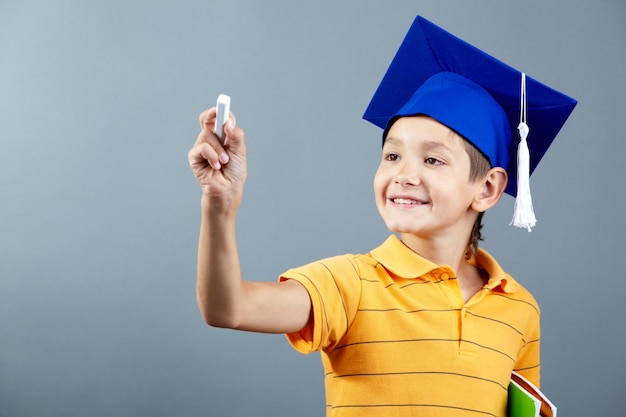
<point x="526" y="400"/>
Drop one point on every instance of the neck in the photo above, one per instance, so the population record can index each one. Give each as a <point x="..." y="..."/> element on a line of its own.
<point x="451" y="253"/>
<point x="440" y="251"/>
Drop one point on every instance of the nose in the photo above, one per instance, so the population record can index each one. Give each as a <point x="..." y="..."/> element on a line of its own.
<point x="408" y="175"/>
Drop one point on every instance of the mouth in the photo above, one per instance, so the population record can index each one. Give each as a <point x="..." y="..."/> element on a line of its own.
<point x="405" y="201"/>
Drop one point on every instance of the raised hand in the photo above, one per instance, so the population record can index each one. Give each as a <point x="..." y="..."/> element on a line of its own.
<point x="220" y="170"/>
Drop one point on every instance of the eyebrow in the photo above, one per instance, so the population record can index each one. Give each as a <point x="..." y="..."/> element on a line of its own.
<point x="390" y="139"/>
<point x="434" y="145"/>
<point x="427" y="145"/>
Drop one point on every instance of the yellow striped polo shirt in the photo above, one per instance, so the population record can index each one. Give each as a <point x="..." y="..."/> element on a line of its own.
<point x="397" y="339"/>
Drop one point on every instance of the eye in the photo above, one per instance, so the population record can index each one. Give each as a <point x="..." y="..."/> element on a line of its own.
<point x="391" y="157"/>
<point x="433" y="161"/>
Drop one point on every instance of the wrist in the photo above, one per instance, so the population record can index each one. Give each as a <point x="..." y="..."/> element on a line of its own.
<point x="219" y="206"/>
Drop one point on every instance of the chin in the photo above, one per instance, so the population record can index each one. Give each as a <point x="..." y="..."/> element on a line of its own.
<point x="401" y="228"/>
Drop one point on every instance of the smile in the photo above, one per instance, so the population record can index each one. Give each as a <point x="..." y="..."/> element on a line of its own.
<point x="406" y="201"/>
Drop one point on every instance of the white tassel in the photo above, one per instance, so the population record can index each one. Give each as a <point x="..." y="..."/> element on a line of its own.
<point x="523" y="213"/>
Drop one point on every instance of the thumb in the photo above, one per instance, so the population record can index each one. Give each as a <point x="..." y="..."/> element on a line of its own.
<point x="233" y="135"/>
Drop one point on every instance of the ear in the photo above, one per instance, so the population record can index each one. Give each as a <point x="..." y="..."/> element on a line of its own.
<point x="490" y="189"/>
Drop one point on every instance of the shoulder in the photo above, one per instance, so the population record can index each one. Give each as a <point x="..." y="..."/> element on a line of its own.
<point x="502" y="283"/>
<point x="347" y="264"/>
<point x="519" y="294"/>
<point x="338" y="274"/>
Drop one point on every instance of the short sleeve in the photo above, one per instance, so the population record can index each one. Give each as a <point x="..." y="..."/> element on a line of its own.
<point x="334" y="286"/>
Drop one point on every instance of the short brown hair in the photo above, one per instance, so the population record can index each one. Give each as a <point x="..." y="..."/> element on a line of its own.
<point x="479" y="167"/>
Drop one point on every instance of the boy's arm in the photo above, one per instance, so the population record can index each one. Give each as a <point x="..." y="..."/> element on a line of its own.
<point x="224" y="298"/>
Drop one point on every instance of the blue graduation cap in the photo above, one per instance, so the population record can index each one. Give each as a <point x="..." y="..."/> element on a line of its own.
<point x="481" y="98"/>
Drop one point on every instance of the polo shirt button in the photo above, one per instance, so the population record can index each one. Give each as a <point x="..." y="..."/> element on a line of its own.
<point x="445" y="276"/>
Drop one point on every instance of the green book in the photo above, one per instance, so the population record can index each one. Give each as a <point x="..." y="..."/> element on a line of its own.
<point x="526" y="400"/>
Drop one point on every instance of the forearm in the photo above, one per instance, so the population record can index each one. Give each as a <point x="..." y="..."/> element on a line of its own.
<point x="219" y="287"/>
<point x="225" y="299"/>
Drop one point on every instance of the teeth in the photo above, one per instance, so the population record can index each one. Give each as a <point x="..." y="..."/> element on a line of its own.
<point x="404" y="201"/>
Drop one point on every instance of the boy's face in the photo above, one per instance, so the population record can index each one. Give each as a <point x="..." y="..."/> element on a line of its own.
<point x="422" y="184"/>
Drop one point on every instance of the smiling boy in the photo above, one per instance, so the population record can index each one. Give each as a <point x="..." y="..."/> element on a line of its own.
<point x="425" y="191"/>
<point x="427" y="323"/>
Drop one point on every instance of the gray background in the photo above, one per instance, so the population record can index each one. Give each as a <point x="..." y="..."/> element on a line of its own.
<point x="99" y="211"/>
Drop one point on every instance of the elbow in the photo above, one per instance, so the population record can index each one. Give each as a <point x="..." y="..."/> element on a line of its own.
<point x="219" y="310"/>
<point x="219" y="319"/>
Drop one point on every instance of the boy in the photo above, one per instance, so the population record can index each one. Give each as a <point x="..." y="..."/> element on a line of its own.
<point x="427" y="323"/>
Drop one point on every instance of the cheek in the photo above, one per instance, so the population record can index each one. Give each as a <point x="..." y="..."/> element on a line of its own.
<point x="380" y="186"/>
<point x="381" y="181"/>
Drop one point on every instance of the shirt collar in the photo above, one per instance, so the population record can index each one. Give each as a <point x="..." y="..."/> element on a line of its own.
<point x="399" y="259"/>
<point x="497" y="276"/>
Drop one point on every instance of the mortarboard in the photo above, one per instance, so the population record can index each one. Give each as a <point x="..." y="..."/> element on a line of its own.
<point x="481" y="98"/>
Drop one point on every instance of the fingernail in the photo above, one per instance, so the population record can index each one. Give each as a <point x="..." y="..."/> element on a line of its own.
<point x="224" y="158"/>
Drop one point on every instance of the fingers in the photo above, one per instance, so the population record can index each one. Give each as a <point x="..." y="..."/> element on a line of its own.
<point x="207" y="149"/>
<point x="209" y="146"/>
<point x="204" y="156"/>
<point x="233" y="136"/>
<point x="232" y="117"/>
<point x="207" y="118"/>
